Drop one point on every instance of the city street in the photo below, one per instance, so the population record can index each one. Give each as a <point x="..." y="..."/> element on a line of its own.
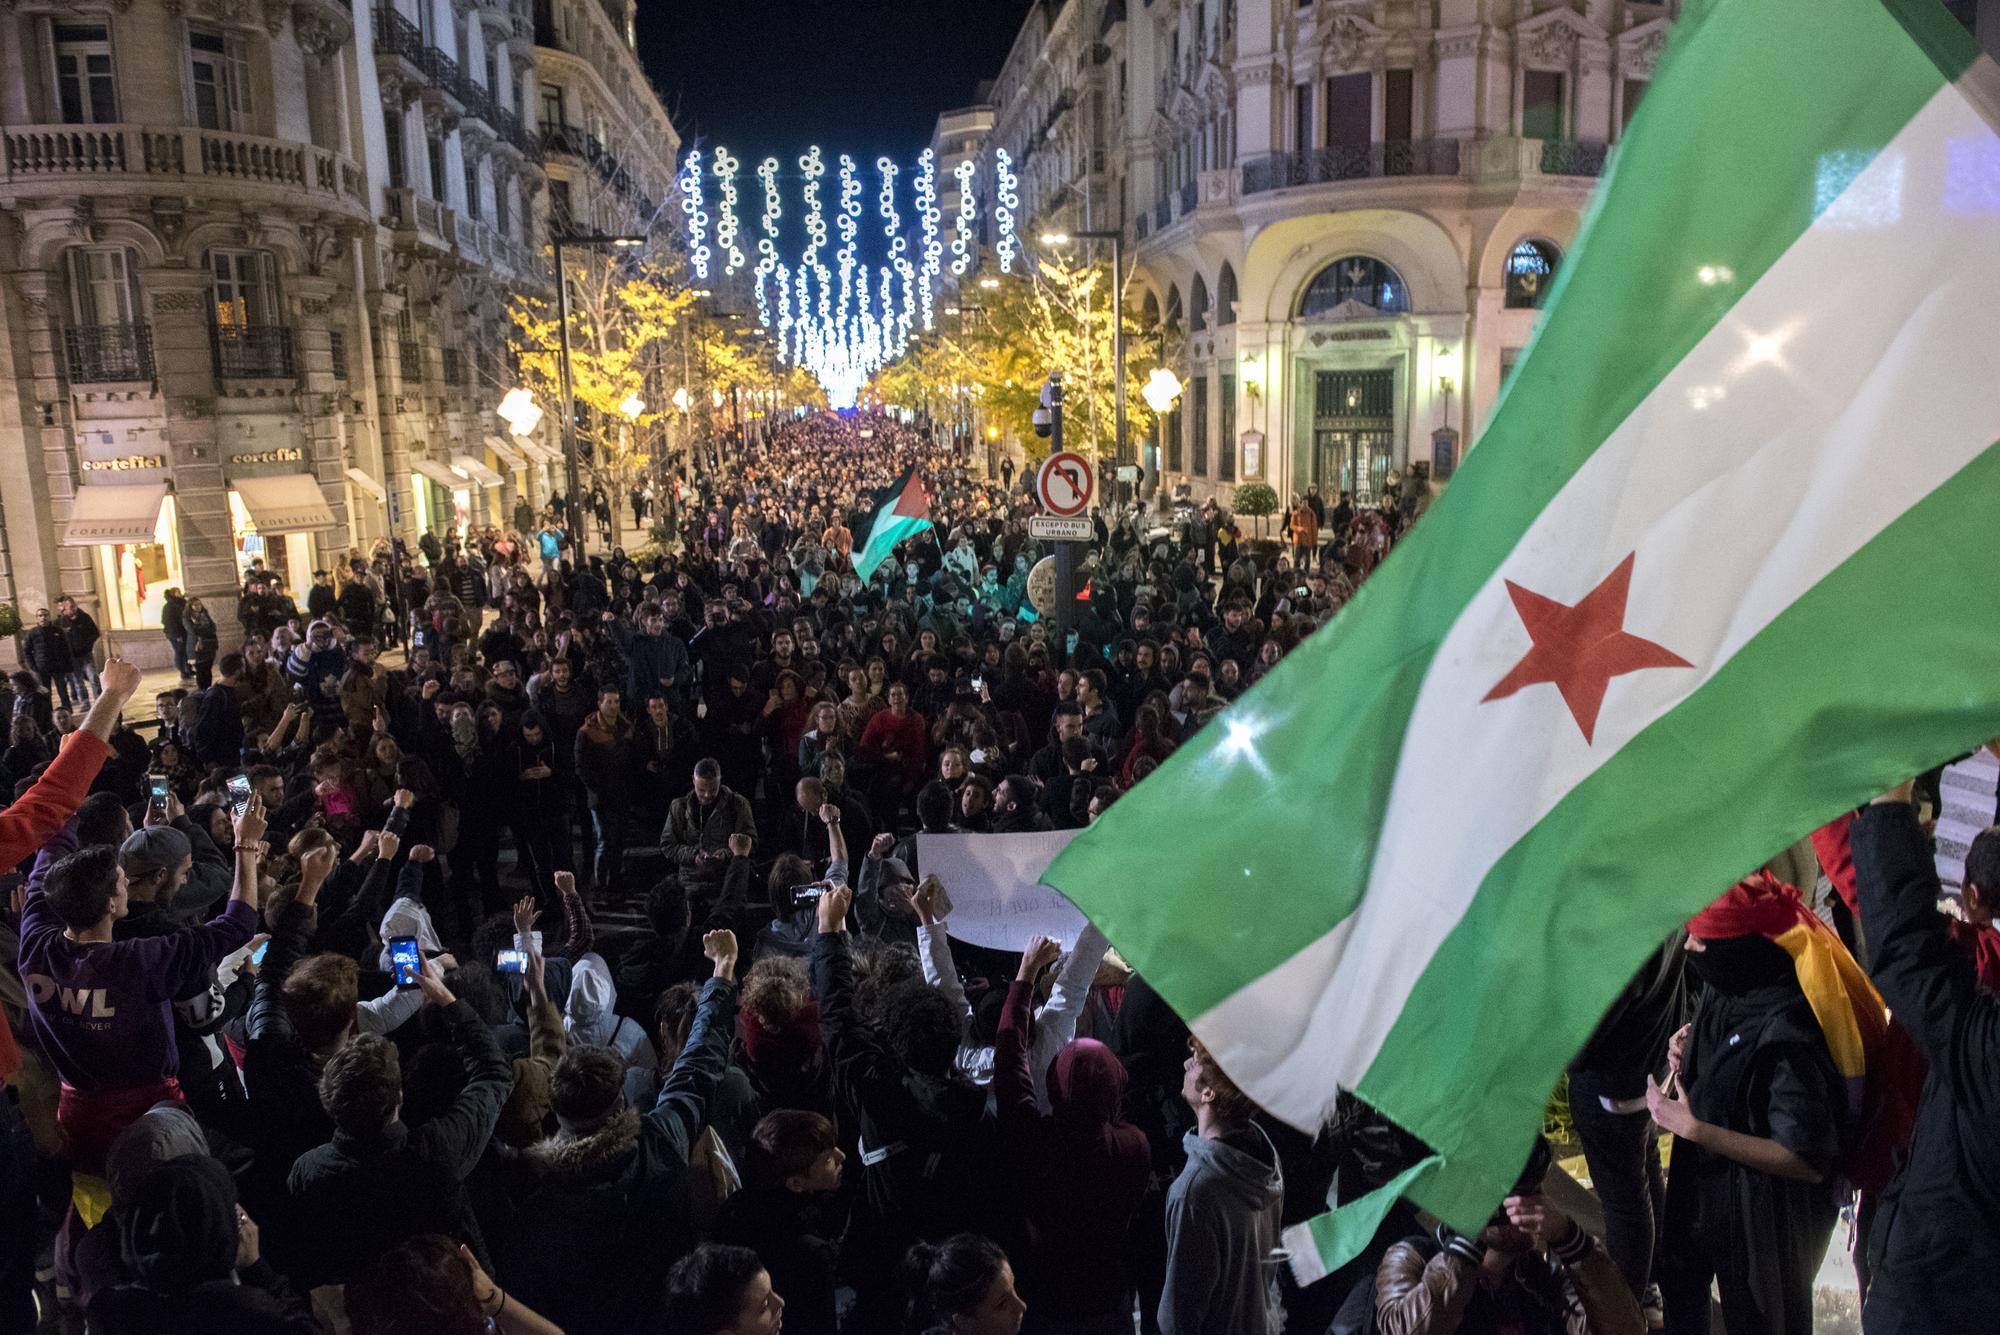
<point x="1036" y="667"/>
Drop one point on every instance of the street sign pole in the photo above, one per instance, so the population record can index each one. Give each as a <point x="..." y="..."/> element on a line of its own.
<point x="1065" y="617"/>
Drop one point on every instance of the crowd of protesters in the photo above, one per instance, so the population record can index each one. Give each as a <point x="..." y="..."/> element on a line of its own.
<point x="690" y="1047"/>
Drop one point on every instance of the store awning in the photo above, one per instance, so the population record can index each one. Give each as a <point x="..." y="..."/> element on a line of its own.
<point x="506" y="453"/>
<point x="360" y="478"/>
<point x="292" y="503"/>
<point x="481" y="474"/>
<point x="104" y="514"/>
<point x="539" y="452"/>
<point x="439" y="474"/>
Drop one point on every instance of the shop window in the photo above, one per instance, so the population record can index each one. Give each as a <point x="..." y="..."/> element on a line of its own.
<point x="219" y="69"/>
<point x="133" y="578"/>
<point x="85" y="90"/>
<point x="1531" y="271"/>
<point x="287" y="555"/>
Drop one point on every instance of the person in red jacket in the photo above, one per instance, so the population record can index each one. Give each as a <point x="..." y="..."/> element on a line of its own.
<point x="27" y="824"/>
<point x="897" y="741"/>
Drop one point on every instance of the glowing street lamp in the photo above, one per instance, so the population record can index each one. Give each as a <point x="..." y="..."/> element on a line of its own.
<point x="681" y="399"/>
<point x="520" y="412"/>
<point x="1161" y="389"/>
<point x="632" y="407"/>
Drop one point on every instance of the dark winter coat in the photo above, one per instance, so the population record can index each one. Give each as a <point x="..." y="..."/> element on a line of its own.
<point x="1934" y="1246"/>
<point x="46" y="650"/>
<point x="359" y="1196"/>
<point x="597" y="1207"/>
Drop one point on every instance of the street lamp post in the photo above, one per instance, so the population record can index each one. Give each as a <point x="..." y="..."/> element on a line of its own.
<point x="1117" y="240"/>
<point x="588" y="241"/>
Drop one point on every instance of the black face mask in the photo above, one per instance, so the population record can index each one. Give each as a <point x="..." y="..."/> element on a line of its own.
<point x="1738" y="965"/>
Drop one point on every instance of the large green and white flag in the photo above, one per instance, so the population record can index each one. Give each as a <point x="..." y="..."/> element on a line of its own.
<point x="1725" y="563"/>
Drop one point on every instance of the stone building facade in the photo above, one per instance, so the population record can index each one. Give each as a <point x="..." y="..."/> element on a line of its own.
<point x="255" y="261"/>
<point x="1341" y="216"/>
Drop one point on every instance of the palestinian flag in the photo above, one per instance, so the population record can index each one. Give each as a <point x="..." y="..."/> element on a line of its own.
<point x="901" y="512"/>
<point x="1721" y="568"/>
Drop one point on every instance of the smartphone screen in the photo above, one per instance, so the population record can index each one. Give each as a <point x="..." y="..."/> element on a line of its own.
<point x="510" y="961"/>
<point x="804" y="896"/>
<point x="156" y="787"/>
<point x="257" y="955"/>
<point x="239" y="794"/>
<point x="406" y="961"/>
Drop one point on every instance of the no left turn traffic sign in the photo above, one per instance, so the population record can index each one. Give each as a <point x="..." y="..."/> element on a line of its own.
<point x="1065" y="484"/>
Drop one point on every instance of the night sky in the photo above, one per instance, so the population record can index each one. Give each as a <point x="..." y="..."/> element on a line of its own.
<point x="856" y="76"/>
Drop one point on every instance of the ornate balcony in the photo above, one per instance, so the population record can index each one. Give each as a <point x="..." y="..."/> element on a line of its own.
<point x="444" y="86"/>
<point x="1574" y="157"/>
<point x="399" y="50"/>
<point x="253" y="352"/>
<point x="419" y="222"/>
<point x="103" y="353"/>
<point x="1351" y="162"/>
<point x="128" y="159"/>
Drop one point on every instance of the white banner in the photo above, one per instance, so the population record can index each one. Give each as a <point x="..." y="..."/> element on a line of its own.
<point x="993" y="882"/>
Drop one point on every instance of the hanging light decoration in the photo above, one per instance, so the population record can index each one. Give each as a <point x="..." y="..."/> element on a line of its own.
<point x="697" y="215"/>
<point x="1006" y="199"/>
<point x="726" y="230"/>
<point x="968" y="213"/>
<point x="929" y="217"/>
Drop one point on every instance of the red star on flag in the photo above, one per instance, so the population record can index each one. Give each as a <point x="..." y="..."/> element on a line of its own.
<point x="1580" y="649"/>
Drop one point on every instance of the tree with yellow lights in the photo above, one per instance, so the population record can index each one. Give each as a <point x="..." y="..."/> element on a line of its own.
<point x="624" y="328"/>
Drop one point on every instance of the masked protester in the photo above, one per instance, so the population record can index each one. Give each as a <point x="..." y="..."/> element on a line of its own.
<point x="1771" y="1078"/>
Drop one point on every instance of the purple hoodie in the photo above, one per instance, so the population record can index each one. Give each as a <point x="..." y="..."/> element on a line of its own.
<point x="104" y="1013"/>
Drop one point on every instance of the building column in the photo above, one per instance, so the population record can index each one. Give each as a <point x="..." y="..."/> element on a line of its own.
<point x="31" y="420"/>
<point x="320" y="401"/>
<point x="185" y="364"/>
<point x="383" y="308"/>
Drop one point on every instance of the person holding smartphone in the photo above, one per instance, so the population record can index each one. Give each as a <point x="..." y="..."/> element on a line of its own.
<point x="103" y="1009"/>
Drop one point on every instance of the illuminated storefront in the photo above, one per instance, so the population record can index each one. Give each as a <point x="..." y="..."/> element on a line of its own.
<point x="440" y="496"/>
<point x="133" y="535"/>
<point x="274" y="508"/>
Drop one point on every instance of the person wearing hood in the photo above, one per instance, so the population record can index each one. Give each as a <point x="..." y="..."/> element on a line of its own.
<point x="164" y="1132"/>
<point x="1762" y="1119"/>
<point x="591" y="1019"/>
<point x="195" y="1263"/>
<point x="1223" y="1214"/>
<point x="597" y="1200"/>
<point x="1079" y="1169"/>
